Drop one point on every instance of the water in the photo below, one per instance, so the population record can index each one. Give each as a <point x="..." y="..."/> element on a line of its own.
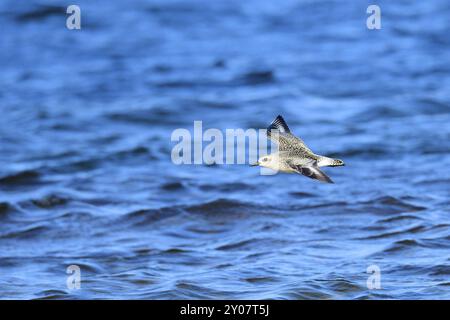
<point x="85" y="170"/>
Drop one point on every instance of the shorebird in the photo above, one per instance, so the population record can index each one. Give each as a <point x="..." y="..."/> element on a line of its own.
<point x="293" y="155"/>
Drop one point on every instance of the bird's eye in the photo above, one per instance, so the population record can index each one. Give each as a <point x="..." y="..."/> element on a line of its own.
<point x="264" y="159"/>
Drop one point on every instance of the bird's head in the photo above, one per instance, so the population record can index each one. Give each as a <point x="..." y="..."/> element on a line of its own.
<point x="267" y="161"/>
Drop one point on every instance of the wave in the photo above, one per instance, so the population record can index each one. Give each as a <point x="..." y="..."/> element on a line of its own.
<point x="172" y="186"/>
<point x="220" y="206"/>
<point x="19" y="178"/>
<point x="390" y="205"/>
<point x="257" y="77"/>
<point x="26" y="233"/>
<point x="375" y="113"/>
<point x="403" y="245"/>
<point x="53" y="295"/>
<point x="439" y="270"/>
<point x="226" y="187"/>
<point x="146" y="217"/>
<point x="333" y="288"/>
<point x="249" y="244"/>
<point x="301" y="194"/>
<point x="40" y="12"/>
<point x="5" y="207"/>
<point x="133" y="154"/>
<point x="410" y="230"/>
<point x="50" y="201"/>
<point x="152" y="116"/>
<point x="406" y="217"/>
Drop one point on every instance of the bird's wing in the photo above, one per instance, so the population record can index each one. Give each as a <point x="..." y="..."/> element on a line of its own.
<point x="279" y="132"/>
<point x="311" y="171"/>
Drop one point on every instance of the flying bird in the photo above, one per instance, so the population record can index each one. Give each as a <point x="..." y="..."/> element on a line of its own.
<point x="293" y="154"/>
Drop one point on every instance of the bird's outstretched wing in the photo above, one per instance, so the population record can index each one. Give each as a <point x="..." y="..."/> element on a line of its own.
<point x="279" y="132"/>
<point x="312" y="172"/>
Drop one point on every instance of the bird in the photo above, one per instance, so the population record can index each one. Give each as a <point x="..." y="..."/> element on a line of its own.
<point x="293" y="155"/>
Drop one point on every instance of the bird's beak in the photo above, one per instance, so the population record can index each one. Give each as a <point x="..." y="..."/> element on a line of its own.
<point x="254" y="164"/>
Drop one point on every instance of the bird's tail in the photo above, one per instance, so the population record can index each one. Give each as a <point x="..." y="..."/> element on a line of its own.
<point x="330" y="162"/>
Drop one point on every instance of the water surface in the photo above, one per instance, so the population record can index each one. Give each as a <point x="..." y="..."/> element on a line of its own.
<point x="85" y="170"/>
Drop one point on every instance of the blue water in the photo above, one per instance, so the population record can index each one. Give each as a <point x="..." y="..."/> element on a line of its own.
<point x="85" y="170"/>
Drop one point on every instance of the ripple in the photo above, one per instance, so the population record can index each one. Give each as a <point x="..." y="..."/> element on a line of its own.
<point x="146" y="217"/>
<point x="138" y="150"/>
<point x="412" y="230"/>
<point x="300" y="194"/>
<point x="380" y="112"/>
<point x="50" y="201"/>
<point x="207" y="229"/>
<point x="405" y="217"/>
<point x="439" y="270"/>
<point x="306" y="294"/>
<point x="260" y="279"/>
<point x="257" y="77"/>
<point x="388" y="200"/>
<point x="333" y="288"/>
<point x="444" y="284"/>
<point x="343" y="286"/>
<point x="26" y="233"/>
<point x="237" y="245"/>
<point x="5" y="209"/>
<point x="175" y="251"/>
<point x="186" y="289"/>
<point x="20" y="178"/>
<point x="145" y="117"/>
<point x="40" y="12"/>
<point x="78" y="165"/>
<point x="220" y="207"/>
<point x="252" y="243"/>
<point x="52" y="295"/>
<point x="403" y="245"/>
<point x="77" y="215"/>
<point x="226" y="187"/>
<point x="391" y="205"/>
<point x="172" y="186"/>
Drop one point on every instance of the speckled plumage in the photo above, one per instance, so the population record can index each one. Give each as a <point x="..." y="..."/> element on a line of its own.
<point x="293" y="154"/>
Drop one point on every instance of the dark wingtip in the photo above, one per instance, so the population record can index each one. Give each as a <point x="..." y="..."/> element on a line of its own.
<point x="279" y="124"/>
<point x="279" y="119"/>
<point x="326" y="179"/>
